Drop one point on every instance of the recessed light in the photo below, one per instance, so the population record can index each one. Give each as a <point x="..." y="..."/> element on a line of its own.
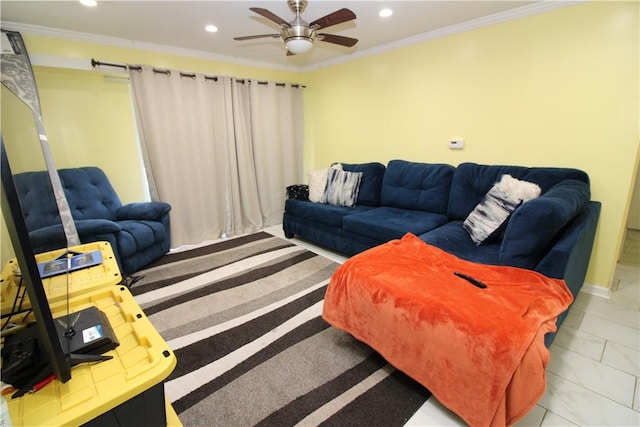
<point x="385" y="13"/>
<point x="90" y="3"/>
<point x="211" y="28"/>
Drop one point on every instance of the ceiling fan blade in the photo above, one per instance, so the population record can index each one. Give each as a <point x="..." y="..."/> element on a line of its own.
<point x="337" y="17"/>
<point x="270" y="16"/>
<point x="289" y="53"/>
<point x="259" y="36"/>
<point x="341" y="40"/>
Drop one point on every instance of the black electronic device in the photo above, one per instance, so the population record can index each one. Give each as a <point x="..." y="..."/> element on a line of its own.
<point x="14" y="219"/>
<point x="21" y="140"/>
<point x="87" y="331"/>
<point x="20" y="358"/>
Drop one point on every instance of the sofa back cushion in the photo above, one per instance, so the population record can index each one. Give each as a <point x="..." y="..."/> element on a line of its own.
<point x="417" y="186"/>
<point x="533" y="227"/>
<point x="37" y="200"/>
<point x="472" y="181"/>
<point x="371" y="182"/>
<point x="88" y="192"/>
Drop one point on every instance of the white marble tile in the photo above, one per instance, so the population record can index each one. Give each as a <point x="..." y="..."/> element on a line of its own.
<point x="585" y="407"/>
<point x="624" y="358"/>
<point x="580" y="342"/>
<point x="628" y="274"/>
<point x="533" y="418"/>
<point x="605" y="380"/>
<point x="574" y="318"/>
<point x="432" y="413"/>
<point x="629" y="284"/>
<point x="618" y="309"/>
<point x="554" y="420"/>
<point x="636" y="399"/>
<point x="610" y="330"/>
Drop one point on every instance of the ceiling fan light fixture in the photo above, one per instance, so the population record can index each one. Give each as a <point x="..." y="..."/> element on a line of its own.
<point x="298" y="45"/>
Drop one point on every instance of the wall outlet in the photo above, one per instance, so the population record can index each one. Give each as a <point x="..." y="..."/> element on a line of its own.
<point x="456" y="144"/>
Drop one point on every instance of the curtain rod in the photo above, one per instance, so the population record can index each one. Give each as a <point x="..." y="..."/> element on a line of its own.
<point x="95" y="63"/>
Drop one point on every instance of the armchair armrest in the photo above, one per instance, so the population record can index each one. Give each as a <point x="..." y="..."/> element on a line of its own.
<point x="52" y="237"/>
<point x="151" y="211"/>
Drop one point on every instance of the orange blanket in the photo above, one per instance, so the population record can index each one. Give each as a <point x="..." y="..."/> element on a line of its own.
<point x="479" y="351"/>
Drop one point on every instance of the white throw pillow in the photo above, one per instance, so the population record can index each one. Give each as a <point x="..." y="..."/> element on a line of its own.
<point x="486" y="220"/>
<point x="318" y="182"/>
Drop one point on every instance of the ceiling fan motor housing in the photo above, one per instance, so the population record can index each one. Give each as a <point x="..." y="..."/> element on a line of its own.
<point x="298" y="28"/>
<point x="297" y="6"/>
<point x="298" y="32"/>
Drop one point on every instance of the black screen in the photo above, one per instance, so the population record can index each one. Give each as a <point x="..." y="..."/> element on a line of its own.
<point x="22" y="152"/>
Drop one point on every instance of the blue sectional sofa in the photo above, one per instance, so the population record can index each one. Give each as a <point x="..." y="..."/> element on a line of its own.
<point x="552" y="234"/>
<point x="139" y="233"/>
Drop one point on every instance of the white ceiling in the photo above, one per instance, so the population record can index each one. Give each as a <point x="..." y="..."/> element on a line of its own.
<point x="158" y="25"/>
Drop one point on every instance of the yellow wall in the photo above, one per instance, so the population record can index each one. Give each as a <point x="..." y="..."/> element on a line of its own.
<point x="89" y="119"/>
<point x="555" y="89"/>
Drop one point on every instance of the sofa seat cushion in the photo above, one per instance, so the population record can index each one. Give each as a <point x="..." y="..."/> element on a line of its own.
<point x="136" y="236"/>
<point x="388" y="223"/>
<point x="453" y="238"/>
<point x="322" y="213"/>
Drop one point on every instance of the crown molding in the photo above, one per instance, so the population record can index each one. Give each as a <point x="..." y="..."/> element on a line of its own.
<point x="496" y="18"/>
<point x="521" y="12"/>
<point x="37" y="30"/>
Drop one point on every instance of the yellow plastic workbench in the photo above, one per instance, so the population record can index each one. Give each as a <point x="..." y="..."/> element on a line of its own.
<point x="59" y="287"/>
<point x="142" y="361"/>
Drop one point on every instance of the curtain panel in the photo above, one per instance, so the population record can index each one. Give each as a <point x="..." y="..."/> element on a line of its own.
<point x="220" y="150"/>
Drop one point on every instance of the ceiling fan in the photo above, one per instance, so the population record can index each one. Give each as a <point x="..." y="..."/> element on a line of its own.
<point x="298" y="35"/>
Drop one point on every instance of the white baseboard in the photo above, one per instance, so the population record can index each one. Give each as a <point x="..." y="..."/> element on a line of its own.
<point x="596" y="290"/>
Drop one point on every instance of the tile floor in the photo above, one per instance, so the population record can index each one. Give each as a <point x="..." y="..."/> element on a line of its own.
<point x="631" y="248"/>
<point x="593" y="378"/>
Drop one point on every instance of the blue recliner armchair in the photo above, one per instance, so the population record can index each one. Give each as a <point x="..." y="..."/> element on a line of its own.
<point x="139" y="233"/>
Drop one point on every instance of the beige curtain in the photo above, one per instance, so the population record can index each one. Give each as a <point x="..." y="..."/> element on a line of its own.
<point x="276" y="111"/>
<point x="203" y="155"/>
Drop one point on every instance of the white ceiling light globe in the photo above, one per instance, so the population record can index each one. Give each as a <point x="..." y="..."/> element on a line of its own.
<point x="298" y="46"/>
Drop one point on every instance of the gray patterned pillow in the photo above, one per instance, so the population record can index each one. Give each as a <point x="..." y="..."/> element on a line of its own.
<point x="487" y="219"/>
<point x="342" y="187"/>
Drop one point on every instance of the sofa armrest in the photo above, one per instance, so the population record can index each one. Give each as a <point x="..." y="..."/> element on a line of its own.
<point x="533" y="225"/>
<point x="150" y="211"/>
<point x="568" y="258"/>
<point x="52" y="237"/>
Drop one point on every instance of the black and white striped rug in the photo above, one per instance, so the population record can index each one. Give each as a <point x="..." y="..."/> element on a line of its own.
<point x="244" y="319"/>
